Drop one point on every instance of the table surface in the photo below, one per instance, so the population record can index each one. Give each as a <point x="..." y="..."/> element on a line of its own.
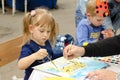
<point x="39" y="75"/>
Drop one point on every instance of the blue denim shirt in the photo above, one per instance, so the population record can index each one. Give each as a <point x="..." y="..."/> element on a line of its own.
<point x="114" y="8"/>
<point x="81" y="10"/>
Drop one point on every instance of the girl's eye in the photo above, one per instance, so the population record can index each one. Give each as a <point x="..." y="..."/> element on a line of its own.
<point x="41" y="31"/>
<point x="48" y="31"/>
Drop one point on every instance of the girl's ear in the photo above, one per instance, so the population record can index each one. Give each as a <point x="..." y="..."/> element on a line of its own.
<point x="88" y="14"/>
<point x="31" y="28"/>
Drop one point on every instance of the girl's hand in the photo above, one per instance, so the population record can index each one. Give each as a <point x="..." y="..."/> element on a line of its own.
<point x="107" y="33"/>
<point x="25" y="62"/>
<point x="40" y="54"/>
<point x="102" y="74"/>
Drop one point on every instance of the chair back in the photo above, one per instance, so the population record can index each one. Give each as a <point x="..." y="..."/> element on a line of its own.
<point x="10" y="50"/>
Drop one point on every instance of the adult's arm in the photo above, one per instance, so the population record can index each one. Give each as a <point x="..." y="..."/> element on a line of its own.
<point x="105" y="47"/>
<point x="80" y="10"/>
<point x="107" y="23"/>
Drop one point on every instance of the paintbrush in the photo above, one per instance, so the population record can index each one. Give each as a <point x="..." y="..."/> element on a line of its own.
<point x="71" y="46"/>
<point x="50" y="60"/>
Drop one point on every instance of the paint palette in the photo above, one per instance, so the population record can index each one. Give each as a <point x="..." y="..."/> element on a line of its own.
<point x="115" y="59"/>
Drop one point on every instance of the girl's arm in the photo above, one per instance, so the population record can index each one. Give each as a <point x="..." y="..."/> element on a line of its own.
<point x="25" y="62"/>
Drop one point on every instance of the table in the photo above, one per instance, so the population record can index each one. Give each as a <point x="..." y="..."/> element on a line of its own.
<point x="39" y="75"/>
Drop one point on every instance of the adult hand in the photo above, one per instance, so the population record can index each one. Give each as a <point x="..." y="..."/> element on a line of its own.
<point x="72" y="51"/>
<point x="102" y="74"/>
<point x="107" y="33"/>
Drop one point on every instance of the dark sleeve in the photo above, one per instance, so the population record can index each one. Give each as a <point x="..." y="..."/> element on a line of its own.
<point x="106" y="47"/>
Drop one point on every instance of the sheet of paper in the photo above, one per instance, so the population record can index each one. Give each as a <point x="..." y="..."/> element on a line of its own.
<point x="77" y="68"/>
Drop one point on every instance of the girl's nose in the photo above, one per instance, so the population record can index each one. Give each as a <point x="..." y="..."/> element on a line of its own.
<point x="45" y="34"/>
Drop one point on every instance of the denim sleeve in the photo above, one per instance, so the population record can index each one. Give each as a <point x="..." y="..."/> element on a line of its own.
<point x="116" y="22"/>
<point x="107" y="23"/>
<point x="80" y="11"/>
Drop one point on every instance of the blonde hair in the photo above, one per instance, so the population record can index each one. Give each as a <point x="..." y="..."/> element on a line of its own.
<point x="39" y="17"/>
<point x="91" y="7"/>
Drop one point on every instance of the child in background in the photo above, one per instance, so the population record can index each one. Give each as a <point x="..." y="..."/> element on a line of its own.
<point x="89" y="29"/>
<point x="111" y="22"/>
<point x="39" y="30"/>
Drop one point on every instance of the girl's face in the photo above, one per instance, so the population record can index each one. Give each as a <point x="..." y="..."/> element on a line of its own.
<point x="96" y="20"/>
<point x="40" y="34"/>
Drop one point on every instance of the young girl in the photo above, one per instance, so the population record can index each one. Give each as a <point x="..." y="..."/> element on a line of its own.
<point x="39" y="30"/>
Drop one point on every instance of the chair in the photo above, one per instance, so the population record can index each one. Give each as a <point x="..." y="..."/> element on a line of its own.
<point x="10" y="50"/>
<point x="13" y="6"/>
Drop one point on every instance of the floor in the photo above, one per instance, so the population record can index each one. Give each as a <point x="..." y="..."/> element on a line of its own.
<point x="11" y="27"/>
